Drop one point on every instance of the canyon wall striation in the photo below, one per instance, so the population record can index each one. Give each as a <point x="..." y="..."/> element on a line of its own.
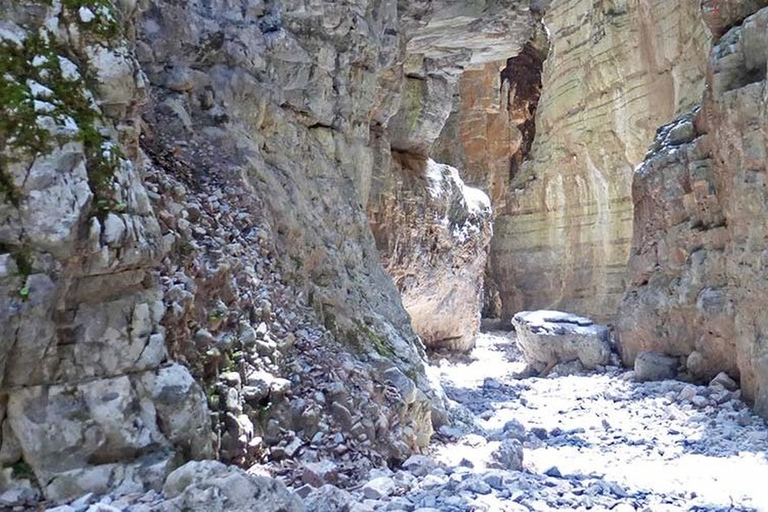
<point x="615" y="71"/>
<point x="698" y="253"/>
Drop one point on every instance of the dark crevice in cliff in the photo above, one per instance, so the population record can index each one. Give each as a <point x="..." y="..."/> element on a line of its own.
<point x="522" y="80"/>
<point x="521" y="84"/>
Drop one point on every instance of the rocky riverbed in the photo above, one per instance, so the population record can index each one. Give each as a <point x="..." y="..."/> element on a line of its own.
<point x="589" y="441"/>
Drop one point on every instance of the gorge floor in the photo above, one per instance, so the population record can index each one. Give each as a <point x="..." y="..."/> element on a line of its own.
<point x="598" y="441"/>
<point x="593" y="441"/>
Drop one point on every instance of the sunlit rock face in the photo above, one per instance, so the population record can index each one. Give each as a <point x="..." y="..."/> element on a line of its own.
<point x="616" y="70"/>
<point x="698" y="254"/>
<point x="491" y="129"/>
<point x="431" y="230"/>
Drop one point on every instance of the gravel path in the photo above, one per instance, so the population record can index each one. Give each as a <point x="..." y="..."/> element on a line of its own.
<point x="596" y="441"/>
<point x="602" y="441"/>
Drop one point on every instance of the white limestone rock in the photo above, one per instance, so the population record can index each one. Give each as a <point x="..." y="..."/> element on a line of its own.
<point x="210" y="486"/>
<point x="550" y="337"/>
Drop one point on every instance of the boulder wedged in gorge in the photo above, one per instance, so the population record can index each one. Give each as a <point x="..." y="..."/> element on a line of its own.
<point x="433" y="232"/>
<point x="450" y="46"/>
<point x="697" y="267"/>
<point x="616" y="71"/>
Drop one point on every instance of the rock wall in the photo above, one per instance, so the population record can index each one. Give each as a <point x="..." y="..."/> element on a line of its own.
<point x="697" y="260"/>
<point x="615" y="71"/>
<point x="431" y="229"/>
<point x="491" y="126"/>
<point x="187" y="183"/>
<point x="89" y="398"/>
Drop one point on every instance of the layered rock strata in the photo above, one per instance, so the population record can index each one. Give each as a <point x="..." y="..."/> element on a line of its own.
<point x="698" y="250"/>
<point x="615" y="71"/>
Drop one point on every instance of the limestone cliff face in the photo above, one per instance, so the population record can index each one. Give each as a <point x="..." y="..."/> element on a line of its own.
<point x="433" y="233"/>
<point x="89" y="399"/>
<point x="434" y="245"/>
<point x="187" y="182"/>
<point x="616" y="70"/>
<point x="491" y="126"/>
<point x="698" y="254"/>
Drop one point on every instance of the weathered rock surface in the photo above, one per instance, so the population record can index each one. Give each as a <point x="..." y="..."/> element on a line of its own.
<point x="491" y="129"/>
<point x="650" y="366"/>
<point x="677" y="304"/>
<point x="491" y="126"/>
<point x="615" y="72"/>
<point x="89" y="399"/>
<point x="696" y="265"/>
<point x="434" y="246"/>
<point x="201" y="198"/>
<point x="212" y="486"/>
<point x="547" y="338"/>
<point x="437" y="265"/>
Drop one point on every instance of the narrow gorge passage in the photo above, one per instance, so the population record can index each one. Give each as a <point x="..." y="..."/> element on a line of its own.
<point x="232" y="231"/>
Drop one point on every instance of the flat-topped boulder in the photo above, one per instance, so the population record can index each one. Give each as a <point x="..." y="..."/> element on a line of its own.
<point x="547" y="338"/>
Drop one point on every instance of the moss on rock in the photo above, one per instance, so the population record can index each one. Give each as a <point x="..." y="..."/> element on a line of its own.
<point x="47" y="102"/>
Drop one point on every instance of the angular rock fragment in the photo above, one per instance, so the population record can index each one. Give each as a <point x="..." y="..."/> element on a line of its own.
<point x="509" y="455"/>
<point x="194" y="485"/>
<point x="547" y="338"/>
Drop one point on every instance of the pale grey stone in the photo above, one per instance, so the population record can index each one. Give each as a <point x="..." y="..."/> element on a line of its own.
<point x="550" y="337"/>
<point x="404" y="385"/>
<point x="114" y="228"/>
<point x="329" y="499"/>
<point x="652" y="366"/>
<point x="379" y="488"/>
<point x="192" y="487"/>
<point x="724" y="380"/>
<point x="509" y="455"/>
<point x="181" y="408"/>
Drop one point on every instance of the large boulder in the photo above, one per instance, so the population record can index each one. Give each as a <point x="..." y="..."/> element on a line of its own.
<point x="547" y="338"/>
<point x="433" y="232"/>
<point x="212" y="486"/>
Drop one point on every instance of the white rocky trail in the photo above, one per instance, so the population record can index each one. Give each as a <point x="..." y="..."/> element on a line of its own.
<point x="591" y="441"/>
<point x="599" y="441"/>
